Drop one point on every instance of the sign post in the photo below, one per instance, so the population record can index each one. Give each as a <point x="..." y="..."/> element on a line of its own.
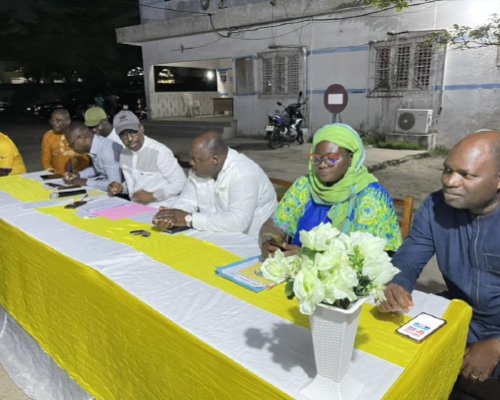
<point x="335" y="100"/>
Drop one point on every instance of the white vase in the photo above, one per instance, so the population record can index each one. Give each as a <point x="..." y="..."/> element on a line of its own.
<point x="333" y="331"/>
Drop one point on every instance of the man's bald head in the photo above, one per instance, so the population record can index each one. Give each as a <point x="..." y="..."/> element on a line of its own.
<point x="486" y="140"/>
<point x="208" y="153"/>
<point x="471" y="173"/>
<point x="212" y="142"/>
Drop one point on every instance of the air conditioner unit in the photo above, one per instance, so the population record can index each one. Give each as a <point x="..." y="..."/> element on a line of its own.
<point x="413" y="121"/>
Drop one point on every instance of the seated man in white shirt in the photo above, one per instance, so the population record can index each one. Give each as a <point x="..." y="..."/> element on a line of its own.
<point x="152" y="174"/>
<point x="225" y="191"/>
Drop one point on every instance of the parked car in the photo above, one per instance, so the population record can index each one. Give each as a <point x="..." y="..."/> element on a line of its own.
<point x="75" y="101"/>
<point x="4" y="105"/>
<point x="78" y="101"/>
<point x="44" y="109"/>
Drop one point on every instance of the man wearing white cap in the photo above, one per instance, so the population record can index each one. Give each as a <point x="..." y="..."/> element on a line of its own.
<point x="97" y="120"/>
<point x="152" y="174"/>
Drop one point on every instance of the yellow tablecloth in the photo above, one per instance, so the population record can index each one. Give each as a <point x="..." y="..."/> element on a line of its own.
<point x="116" y="347"/>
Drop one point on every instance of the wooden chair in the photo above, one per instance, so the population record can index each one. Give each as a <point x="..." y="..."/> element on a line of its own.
<point x="404" y="209"/>
<point x="281" y="186"/>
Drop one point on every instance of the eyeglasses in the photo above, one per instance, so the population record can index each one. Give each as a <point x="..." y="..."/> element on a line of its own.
<point x="331" y="159"/>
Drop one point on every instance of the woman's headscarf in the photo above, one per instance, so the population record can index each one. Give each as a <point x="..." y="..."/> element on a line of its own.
<point x="341" y="194"/>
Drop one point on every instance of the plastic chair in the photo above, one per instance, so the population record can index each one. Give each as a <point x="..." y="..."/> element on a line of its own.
<point x="281" y="186"/>
<point x="404" y="209"/>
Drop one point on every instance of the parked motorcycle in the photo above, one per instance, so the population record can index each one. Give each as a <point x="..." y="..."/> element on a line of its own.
<point x="286" y="127"/>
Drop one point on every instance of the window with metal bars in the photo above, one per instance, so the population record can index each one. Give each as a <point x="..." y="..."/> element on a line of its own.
<point x="398" y="68"/>
<point x="280" y="72"/>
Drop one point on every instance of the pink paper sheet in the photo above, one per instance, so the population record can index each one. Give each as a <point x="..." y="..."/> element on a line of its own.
<point x="125" y="211"/>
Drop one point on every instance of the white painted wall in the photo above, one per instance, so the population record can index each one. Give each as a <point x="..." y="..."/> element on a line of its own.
<point x="338" y="53"/>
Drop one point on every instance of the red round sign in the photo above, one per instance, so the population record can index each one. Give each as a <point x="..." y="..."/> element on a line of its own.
<point x="335" y="98"/>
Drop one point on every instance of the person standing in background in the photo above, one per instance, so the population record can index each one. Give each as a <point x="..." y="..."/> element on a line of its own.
<point x="56" y="154"/>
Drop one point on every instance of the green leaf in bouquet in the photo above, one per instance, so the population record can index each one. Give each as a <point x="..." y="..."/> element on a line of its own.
<point x="289" y="290"/>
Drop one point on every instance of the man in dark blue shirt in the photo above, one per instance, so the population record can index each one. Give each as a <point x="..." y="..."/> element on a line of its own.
<point x="460" y="224"/>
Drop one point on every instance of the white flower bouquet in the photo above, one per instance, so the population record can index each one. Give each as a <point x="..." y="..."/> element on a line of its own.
<point x="332" y="268"/>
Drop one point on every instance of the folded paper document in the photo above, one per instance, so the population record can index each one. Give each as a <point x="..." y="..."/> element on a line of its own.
<point x="246" y="273"/>
<point x="125" y="211"/>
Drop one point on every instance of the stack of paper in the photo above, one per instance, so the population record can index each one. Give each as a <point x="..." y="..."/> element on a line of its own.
<point x="124" y="211"/>
<point x="112" y="208"/>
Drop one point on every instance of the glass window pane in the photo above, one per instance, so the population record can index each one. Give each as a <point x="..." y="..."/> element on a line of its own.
<point x="244" y="75"/>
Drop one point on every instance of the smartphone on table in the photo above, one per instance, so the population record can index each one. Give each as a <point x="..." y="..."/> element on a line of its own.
<point x="51" y="176"/>
<point x="176" y="229"/>
<point x="5" y="171"/>
<point x="421" y="327"/>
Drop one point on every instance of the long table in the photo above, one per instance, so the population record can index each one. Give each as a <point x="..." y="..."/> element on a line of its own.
<point x="150" y="320"/>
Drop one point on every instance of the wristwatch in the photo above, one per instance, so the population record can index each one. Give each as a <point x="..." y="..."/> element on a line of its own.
<point x="189" y="220"/>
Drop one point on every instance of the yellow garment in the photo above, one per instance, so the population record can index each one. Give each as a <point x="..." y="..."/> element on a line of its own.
<point x="57" y="154"/>
<point x="10" y="156"/>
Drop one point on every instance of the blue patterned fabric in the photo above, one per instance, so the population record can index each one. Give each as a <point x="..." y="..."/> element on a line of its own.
<point x="372" y="211"/>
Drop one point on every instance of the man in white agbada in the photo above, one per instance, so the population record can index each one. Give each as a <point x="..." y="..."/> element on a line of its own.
<point x="225" y="191"/>
<point x="152" y="174"/>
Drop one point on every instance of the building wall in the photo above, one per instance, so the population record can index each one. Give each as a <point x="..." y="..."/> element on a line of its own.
<point x="338" y="52"/>
<point x="155" y="10"/>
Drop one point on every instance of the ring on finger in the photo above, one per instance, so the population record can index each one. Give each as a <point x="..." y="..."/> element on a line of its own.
<point x="474" y="377"/>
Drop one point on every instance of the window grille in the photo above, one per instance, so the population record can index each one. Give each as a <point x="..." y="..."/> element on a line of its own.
<point x="422" y="68"/>
<point x="280" y="73"/>
<point x="382" y="69"/>
<point x="267" y="76"/>
<point x="401" y="66"/>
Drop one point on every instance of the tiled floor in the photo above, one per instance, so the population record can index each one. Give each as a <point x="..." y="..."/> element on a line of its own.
<point x="9" y="391"/>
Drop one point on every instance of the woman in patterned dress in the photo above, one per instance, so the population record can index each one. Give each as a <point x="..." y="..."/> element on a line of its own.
<point x="338" y="189"/>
